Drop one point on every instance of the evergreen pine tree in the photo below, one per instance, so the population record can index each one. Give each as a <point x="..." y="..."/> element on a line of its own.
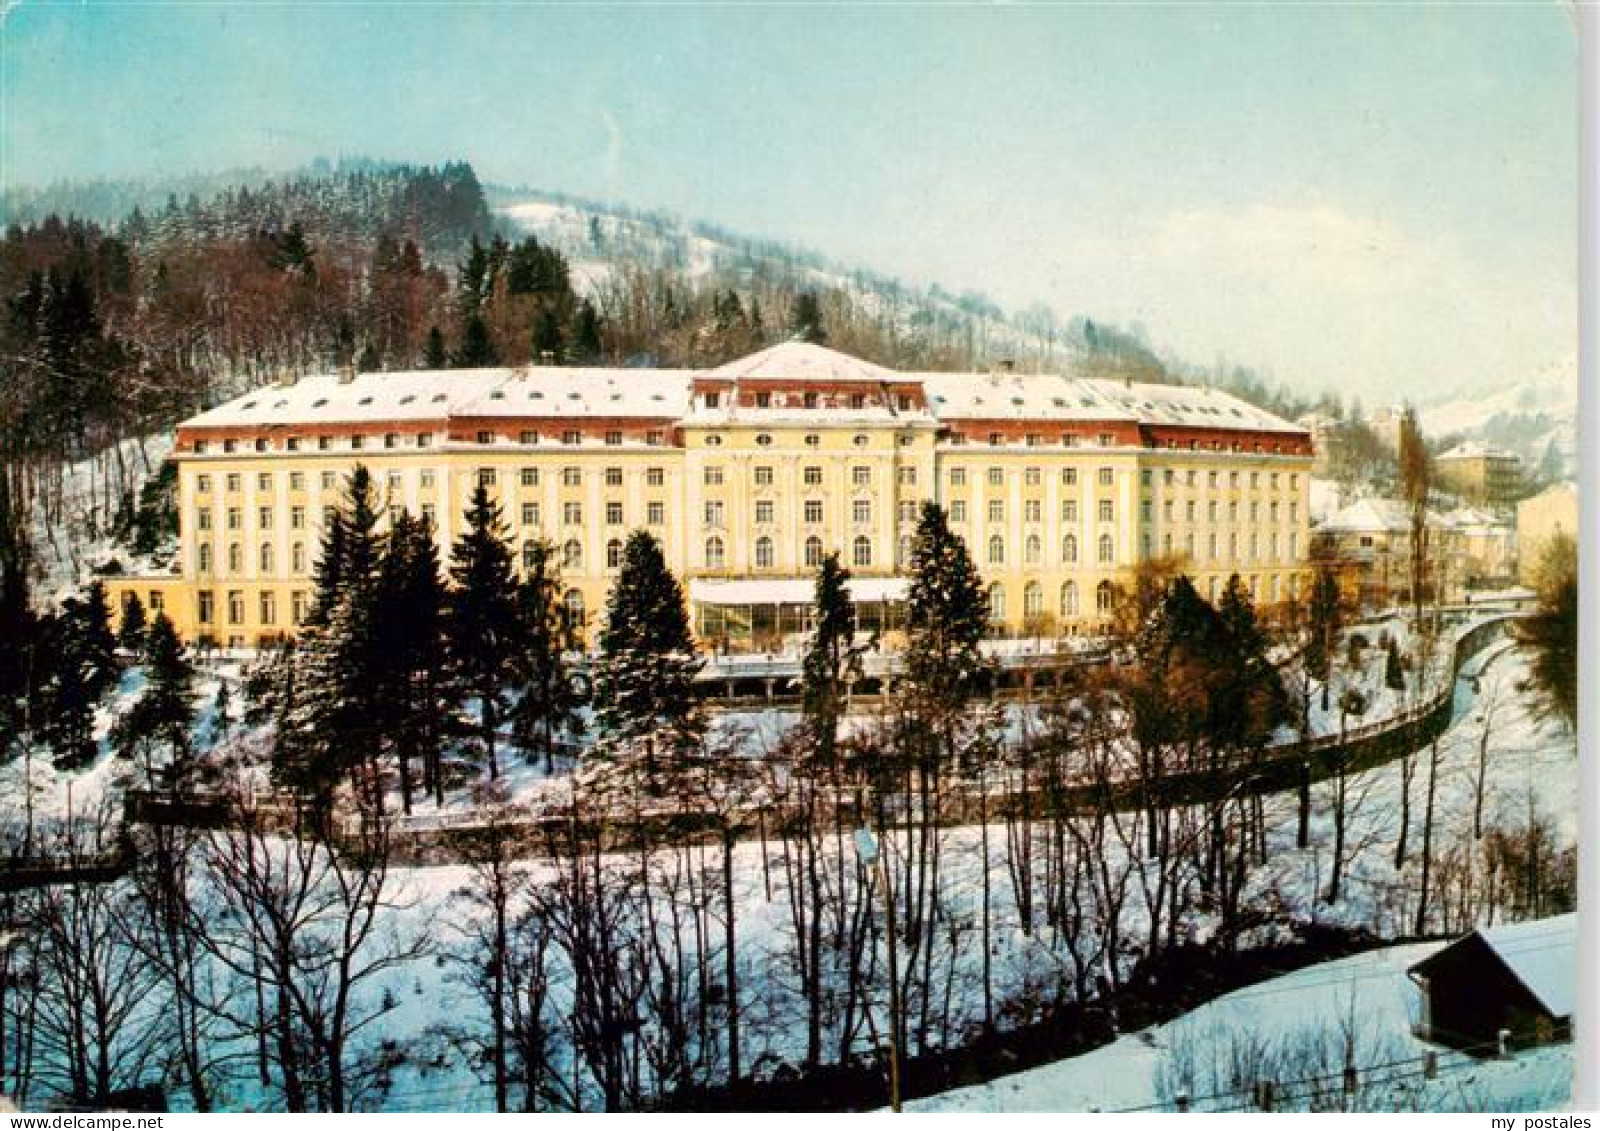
<point x="586" y="344"/>
<point x="1252" y="700"/>
<point x="548" y="344"/>
<point x="645" y="681"/>
<point x="1394" y="674"/>
<point x="477" y="347"/>
<point x="547" y="707"/>
<point x="805" y="319"/>
<point x="163" y="715"/>
<point x="17" y="624"/>
<point x="98" y="642"/>
<point x="78" y="662"/>
<point x="433" y="351"/>
<point x="483" y="625"/>
<point x="1324" y="617"/>
<point x="947" y="614"/>
<point x="832" y="659"/>
<point x="408" y="611"/>
<point x="328" y="727"/>
<point x="130" y="634"/>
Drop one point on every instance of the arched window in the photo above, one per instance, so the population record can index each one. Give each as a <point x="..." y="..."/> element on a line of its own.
<point x="997" y="550"/>
<point x="572" y="554"/>
<point x="1069" y="599"/>
<point x="1032" y="550"/>
<point x="205" y="557"/>
<point x="575" y="613"/>
<point x="997" y="602"/>
<point x="1108" y="550"/>
<point x="813" y="552"/>
<point x="614" y="554"/>
<point x="235" y="558"/>
<point x="1104" y="595"/>
<point x="764" y="552"/>
<point x="267" y="558"/>
<point x="714" y="553"/>
<point x="861" y="551"/>
<point x="530" y="553"/>
<point x="1069" y="549"/>
<point x="1032" y="600"/>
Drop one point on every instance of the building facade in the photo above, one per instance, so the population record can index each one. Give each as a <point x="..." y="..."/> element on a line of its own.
<point x="1552" y="512"/>
<point x="748" y="474"/>
<point x="1480" y="474"/>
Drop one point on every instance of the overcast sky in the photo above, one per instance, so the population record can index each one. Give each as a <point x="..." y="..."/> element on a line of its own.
<point x="1377" y="199"/>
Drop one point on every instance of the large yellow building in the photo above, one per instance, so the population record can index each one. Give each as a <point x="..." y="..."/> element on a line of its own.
<point x="748" y="474"/>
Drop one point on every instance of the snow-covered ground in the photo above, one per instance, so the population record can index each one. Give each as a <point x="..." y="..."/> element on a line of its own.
<point x="1279" y="1023"/>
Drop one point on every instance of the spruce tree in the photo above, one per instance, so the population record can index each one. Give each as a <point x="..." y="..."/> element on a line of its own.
<point x="328" y="727"/>
<point x="548" y="705"/>
<point x="131" y="633"/>
<point x="408" y="610"/>
<point x="586" y="343"/>
<point x="477" y="346"/>
<point x="433" y="351"/>
<point x="1252" y="697"/>
<point x="1325" y="620"/>
<point x="548" y="344"/>
<point x="947" y="615"/>
<point x="483" y="625"/>
<point x="832" y="659"/>
<point x="163" y="715"/>
<point x="18" y="630"/>
<point x="645" y="680"/>
<point x="78" y="661"/>
<point x="1394" y="673"/>
<point x="805" y="319"/>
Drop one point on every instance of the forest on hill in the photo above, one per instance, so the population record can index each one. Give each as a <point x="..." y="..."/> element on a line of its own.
<point x="130" y="305"/>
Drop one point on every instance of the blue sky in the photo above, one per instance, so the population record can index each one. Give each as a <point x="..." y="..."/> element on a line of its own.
<point x="1381" y="199"/>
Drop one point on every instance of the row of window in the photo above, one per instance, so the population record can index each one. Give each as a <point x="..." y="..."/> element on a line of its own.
<point x="903" y="402"/>
<point x="1105" y="596"/>
<point x="394" y="440"/>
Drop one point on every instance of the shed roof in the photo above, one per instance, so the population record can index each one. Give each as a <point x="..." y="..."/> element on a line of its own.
<point x="1539" y="953"/>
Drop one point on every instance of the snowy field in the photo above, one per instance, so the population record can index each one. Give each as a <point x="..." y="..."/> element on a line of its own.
<point x="1282" y="1017"/>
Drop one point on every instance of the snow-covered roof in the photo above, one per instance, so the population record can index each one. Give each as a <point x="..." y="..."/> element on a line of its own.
<point x="1197" y="406"/>
<point x="1473" y="519"/>
<point x="1541" y="953"/>
<point x="1016" y="396"/>
<point x="1368" y="516"/>
<point x="326" y="399"/>
<point x="1474" y="449"/>
<point x="418" y="395"/>
<point x="541" y="391"/>
<point x="560" y="391"/>
<point x="789" y="590"/>
<point x="801" y="361"/>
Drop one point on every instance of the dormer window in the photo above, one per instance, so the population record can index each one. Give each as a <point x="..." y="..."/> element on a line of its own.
<point x="763" y="400"/>
<point x="858" y="400"/>
<point x="713" y="400"/>
<point x="261" y="444"/>
<point x="200" y="447"/>
<point x="485" y="437"/>
<point x="811" y="400"/>
<point x="229" y="445"/>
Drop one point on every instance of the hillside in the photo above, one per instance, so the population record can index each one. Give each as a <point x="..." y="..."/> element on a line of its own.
<point x="1536" y="418"/>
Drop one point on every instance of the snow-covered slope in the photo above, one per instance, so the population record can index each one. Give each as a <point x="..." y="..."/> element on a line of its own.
<point x="1525" y="415"/>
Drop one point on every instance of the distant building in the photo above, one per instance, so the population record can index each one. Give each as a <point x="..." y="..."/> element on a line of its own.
<point x="1368" y="545"/>
<point x="1385" y="424"/>
<point x="1518" y="979"/>
<point x="1330" y="439"/>
<point x="1478" y="551"/>
<point x="1551" y="512"/>
<point x="1480" y="474"/>
<point x="748" y="474"/>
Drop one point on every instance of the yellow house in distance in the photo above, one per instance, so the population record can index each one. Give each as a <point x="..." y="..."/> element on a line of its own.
<point x="748" y="474"/>
<point x="1551" y="512"/>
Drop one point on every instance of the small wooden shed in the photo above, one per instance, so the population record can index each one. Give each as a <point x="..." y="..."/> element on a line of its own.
<point x="1519" y="978"/>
